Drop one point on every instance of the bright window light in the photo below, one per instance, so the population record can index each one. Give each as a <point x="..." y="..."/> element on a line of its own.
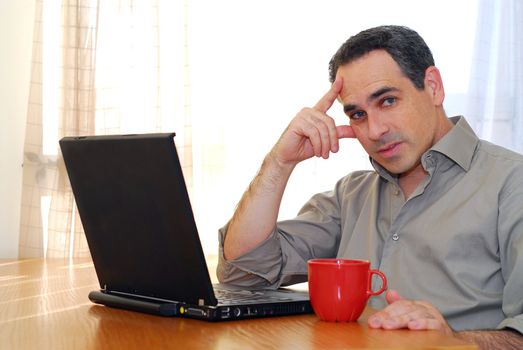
<point x="51" y="73"/>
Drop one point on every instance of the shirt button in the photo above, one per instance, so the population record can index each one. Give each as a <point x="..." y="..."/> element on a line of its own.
<point x="396" y="192"/>
<point x="395" y="237"/>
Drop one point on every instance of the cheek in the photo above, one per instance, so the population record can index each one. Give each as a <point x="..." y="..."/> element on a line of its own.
<point x="362" y="138"/>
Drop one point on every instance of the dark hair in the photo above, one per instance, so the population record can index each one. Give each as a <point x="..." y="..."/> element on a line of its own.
<point x="406" y="47"/>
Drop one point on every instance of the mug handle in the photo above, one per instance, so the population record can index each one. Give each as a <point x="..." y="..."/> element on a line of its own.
<point x="383" y="282"/>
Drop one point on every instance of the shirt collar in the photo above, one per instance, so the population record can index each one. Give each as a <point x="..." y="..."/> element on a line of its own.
<point x="459" y="145"/>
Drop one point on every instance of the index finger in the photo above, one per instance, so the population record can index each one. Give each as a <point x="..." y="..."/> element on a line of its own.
<point x="328" y="99"/>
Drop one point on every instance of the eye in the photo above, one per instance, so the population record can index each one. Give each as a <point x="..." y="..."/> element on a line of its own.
<point x="357" y="115"/>
<point x="389" y="101"/>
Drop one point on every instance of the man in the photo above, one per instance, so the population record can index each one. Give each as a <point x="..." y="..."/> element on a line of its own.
<point x="441" y="215"/>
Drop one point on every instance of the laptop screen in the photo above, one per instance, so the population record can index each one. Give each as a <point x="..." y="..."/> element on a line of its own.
<point x="137" y="217"/>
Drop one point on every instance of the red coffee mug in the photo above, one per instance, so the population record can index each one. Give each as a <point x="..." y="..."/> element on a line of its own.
<point x="340" y="288"/>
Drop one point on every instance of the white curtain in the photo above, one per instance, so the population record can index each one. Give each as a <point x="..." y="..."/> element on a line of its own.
<point x="495" y="98"/>
<point x="99" y="67"/>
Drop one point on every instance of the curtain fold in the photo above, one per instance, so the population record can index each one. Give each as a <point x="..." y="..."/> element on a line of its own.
<point x="96" y="69"/>
<point x="495" y="107"/>
<point x="50" y="225"/>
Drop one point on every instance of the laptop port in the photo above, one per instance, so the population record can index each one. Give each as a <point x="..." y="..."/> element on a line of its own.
<point x="237" y="312"/>
<point x="226" y="312"/>
<point x="251" y="311"/>
<point x="194" y="312"/>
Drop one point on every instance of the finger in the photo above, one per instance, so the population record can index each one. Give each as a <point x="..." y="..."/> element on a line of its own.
<point x="394" y="311"/>
<point x="315" y="139"/>
<point x="398" y="307"/>
<point x="424" y="323"/>
<point x="429" y="324"/>
<point x="321" y="123"/>
<point x="403" y="320"/>
<point x="333" y="132"/>
<point x="404" y="314"/>
<point x="345" y="131"/>
<point x="326" y="129"/>
<point x="392" y="296"/>
<point x="332" y="135"/>
<point x="328" y="99"/>
<point x="376" y="320"/>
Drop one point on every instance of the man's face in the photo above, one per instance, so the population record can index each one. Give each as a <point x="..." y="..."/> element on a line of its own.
<point x="393" y="120"/>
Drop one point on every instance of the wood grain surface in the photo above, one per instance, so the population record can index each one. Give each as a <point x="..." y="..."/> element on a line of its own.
<point x="44" y="305"/>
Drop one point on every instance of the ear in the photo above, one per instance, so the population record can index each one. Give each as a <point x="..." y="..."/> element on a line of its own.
<point x="434" y="85"/>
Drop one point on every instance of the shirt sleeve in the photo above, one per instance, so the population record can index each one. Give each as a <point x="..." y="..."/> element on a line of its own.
<point x="510" y="230"/>
<point x="258" y="268"/>
<point x="282" y="258"/>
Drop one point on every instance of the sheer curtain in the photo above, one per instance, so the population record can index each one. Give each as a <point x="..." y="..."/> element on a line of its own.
<point x="495" y="104"/>
<point x="99" y="67"/>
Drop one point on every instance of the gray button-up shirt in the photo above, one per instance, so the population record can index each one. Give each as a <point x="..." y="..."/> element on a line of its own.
<point x="456" y="242"/>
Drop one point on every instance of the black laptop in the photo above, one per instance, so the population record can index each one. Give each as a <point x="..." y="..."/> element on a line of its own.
<point x="135" y="210"/>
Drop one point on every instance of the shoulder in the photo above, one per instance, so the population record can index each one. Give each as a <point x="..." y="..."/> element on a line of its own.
<point x="501" y="166"/>
<point x="494" y="159"/>
<point x="496" y="153"/>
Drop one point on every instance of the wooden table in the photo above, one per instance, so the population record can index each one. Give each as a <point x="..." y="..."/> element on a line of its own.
<point x="44" y="305"/>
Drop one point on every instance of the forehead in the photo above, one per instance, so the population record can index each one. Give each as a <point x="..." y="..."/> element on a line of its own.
<point x="368" y="74"/>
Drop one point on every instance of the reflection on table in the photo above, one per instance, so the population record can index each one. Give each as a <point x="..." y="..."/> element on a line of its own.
<point x="44" y="305"/>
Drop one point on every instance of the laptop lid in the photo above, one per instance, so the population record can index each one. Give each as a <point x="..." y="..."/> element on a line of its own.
<point x="135" y="210"/>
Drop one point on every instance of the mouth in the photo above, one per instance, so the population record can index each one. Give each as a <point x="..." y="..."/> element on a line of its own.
<point x="389" y="150"/>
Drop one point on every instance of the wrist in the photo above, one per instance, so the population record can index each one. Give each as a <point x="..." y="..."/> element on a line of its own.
<point x="492" y="339"/>
<point x="278" y="165"/>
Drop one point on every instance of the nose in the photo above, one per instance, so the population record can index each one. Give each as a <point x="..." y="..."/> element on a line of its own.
<point x="376" y="127"/>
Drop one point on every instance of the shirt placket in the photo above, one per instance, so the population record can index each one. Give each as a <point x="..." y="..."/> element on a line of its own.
<point x="401" y="209"/>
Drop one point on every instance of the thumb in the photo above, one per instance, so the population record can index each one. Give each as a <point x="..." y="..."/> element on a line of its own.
<point x="345" y="131"/>
<point x="392" y="296"/>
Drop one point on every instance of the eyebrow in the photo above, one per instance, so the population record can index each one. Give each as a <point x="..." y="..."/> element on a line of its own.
<point x="376" y="94"/>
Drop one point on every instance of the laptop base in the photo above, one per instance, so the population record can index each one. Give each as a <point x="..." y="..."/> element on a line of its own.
<point x="206" y="313"/>
<point x="134" y="304"/>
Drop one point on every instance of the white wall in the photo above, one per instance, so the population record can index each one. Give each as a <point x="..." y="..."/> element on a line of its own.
<point x="251" y="73"/>
<point x="16" y="35"/>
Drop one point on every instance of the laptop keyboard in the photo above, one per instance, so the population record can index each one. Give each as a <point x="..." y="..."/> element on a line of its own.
<point x="225" y="295"/>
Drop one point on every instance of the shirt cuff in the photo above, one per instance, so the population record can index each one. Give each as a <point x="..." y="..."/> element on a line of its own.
<point x="258" y="268"/>
<point x="515" y="323"/>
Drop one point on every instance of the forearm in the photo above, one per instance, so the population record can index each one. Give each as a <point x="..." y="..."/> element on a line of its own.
<point x="493" y="340"/>
<point x="311" y="133"/>
<point x="257" y="211"/>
